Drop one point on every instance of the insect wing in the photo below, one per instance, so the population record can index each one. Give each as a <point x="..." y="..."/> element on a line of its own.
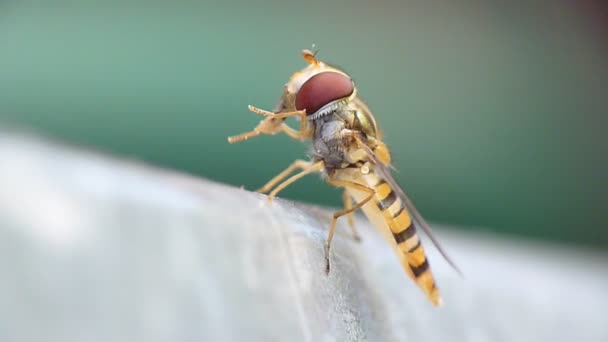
<point x="383" y="171"/>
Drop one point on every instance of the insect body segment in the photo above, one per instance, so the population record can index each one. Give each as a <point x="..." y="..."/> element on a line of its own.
<point x="408" y="242"/>
<point x="347" y="147"/>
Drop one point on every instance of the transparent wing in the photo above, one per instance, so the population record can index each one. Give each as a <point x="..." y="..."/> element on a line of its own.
<point x="383" y="171"/>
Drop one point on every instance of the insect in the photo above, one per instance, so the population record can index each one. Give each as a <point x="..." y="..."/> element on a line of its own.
<point x="348" y="149"/>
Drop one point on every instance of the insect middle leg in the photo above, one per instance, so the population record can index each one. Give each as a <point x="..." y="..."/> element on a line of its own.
<point x="307" y="168"/>
<point x="298" y="164"/>
<point x="332" y="225"/>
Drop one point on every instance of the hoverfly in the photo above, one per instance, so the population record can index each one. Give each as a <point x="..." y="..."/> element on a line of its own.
<point x="348" y="149"/>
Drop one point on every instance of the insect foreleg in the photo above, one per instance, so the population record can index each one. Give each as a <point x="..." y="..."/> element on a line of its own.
<point x="267" y="126"/>
<point x="273" y="124"/>
<point x="302" y="134"/>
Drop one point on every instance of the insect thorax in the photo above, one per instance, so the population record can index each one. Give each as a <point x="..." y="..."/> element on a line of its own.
<point x="331" y="144"/>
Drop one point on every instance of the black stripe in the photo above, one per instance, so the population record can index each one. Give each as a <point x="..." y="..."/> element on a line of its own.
<point x="406" y="234"/>
<point x="387" y="201"/>
<point x="399" y="212"/>
<point x="414" y="248"/>
<point x="418" y="270"/>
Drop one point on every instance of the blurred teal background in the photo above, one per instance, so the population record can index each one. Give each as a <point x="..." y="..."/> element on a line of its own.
<point x="495" y="112"/>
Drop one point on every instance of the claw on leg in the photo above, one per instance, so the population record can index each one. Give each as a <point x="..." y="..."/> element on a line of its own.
<point x="326" y="249"/>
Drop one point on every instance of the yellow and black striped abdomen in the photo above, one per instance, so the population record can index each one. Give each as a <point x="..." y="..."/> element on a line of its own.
<point x="404" y="232"/>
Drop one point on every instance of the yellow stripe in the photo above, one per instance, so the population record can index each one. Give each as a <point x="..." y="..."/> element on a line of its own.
<point x="383" y="190"/>
<point x="417" y="257"/>
<point x="405" y="246"/>
<point x="401" y="222"/>
<point x="394" y="208"/>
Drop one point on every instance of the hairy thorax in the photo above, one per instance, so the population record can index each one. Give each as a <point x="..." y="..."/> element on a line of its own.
<point x="333" y="141"/>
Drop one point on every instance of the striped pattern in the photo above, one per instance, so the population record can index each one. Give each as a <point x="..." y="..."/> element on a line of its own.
<point x="403" y="230"/>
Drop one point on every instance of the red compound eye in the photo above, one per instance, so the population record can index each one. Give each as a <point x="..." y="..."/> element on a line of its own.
<point x="322" y="89"/>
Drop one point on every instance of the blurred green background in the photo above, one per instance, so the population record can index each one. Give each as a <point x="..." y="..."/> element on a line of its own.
<point x="495" y="112"/>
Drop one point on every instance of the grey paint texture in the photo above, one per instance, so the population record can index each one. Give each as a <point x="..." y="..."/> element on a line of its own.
<point x="100" y="249"/>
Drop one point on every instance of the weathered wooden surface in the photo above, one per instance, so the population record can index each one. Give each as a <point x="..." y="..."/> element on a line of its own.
<point x="98" y="249"/>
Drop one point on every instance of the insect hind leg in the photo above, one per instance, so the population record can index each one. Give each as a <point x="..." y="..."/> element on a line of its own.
<point x="348" y="204"/>
<point x="338" y="214"/>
